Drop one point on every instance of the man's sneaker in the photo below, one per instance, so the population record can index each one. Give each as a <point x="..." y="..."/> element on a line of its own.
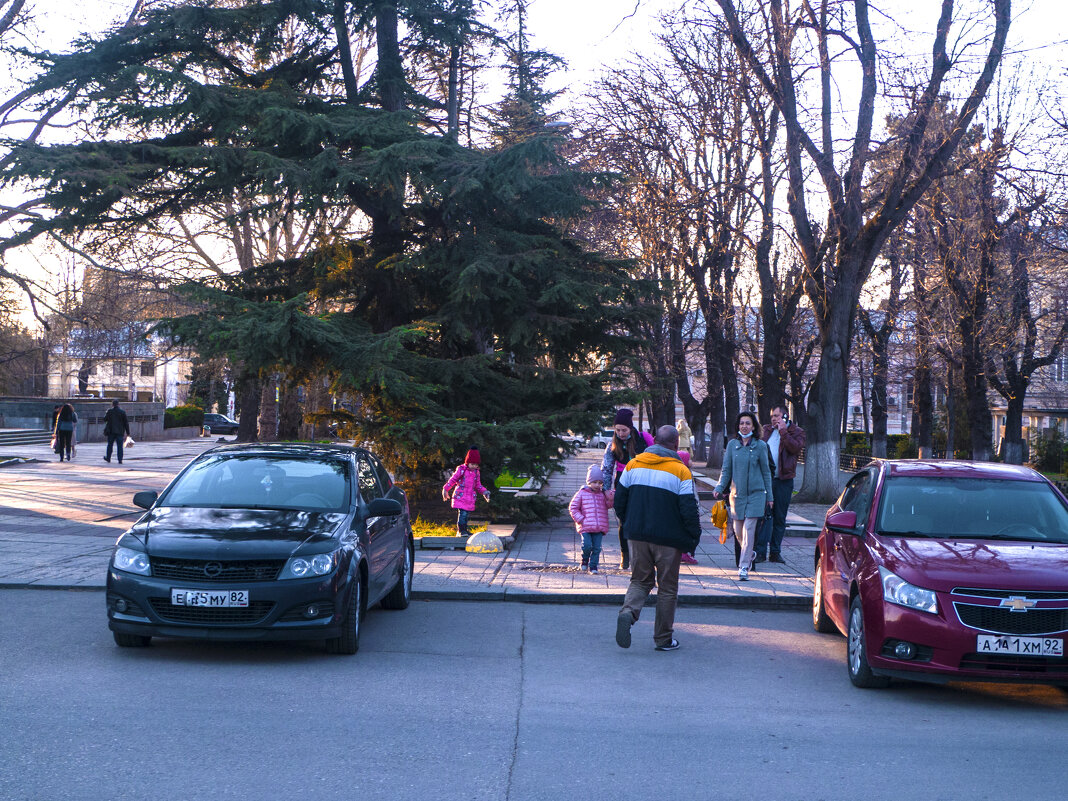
<point x="623" y="624"/>
<point x="760" y="558"/>
<point x="743" y="574"/>
<point x="585" y="565"/>
<point x="671" y="646"/>
<point x="594" y="571"/>
<point x="777" y="557"/>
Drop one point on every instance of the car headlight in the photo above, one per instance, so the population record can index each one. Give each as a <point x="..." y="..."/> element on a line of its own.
<point x="898" y="591"/>
<point x="309" y="566"/>
<point x="131" y="561"/>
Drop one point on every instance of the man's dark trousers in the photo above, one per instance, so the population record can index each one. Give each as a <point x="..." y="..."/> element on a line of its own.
<point x="114" y="439"/>
<point x="782" y="491"/>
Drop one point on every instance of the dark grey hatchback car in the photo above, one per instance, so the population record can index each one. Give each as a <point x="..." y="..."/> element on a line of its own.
<point x="283" y="541"/>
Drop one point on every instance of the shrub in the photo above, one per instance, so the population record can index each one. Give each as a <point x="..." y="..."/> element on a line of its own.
<point x="181" y="416"/>
<point x="1049" y="451"/>
<point x="901" y="446"/>
<point x="857" y="442"/>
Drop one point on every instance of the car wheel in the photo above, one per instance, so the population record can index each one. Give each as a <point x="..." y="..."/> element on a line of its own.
<point x="349" y="641"/>
<point x="401" y="593"/>
<point x="821" y="622"/>
<point x="856" y="652"/>
<point x="124" y="640"/>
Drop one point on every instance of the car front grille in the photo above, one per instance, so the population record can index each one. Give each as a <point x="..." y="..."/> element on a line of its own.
<point x="1010" y="663"/>
<point x="1000" y="620"/>
<point x="1034" y="595"/>
<point x="217" y="571"/>
<point x="212" y="616"/>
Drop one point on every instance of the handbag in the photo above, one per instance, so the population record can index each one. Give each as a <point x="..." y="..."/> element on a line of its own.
<point x="126" y="443"/>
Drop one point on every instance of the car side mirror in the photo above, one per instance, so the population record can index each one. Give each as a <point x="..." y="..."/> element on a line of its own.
<point x="843" y="522"/>
<point x="384" y="507"/>
<point x="145" y="498"/>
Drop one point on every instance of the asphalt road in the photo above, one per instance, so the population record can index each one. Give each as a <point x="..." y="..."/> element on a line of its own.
<point x="498" y="701"/>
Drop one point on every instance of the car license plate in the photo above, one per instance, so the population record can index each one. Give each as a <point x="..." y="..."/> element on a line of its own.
<point x="209" y="597"/>
<point x="1027" y="646"/>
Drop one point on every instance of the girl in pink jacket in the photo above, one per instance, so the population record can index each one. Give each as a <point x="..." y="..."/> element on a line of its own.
<point x="589" y="509"/>
<point x="467" y="482"/>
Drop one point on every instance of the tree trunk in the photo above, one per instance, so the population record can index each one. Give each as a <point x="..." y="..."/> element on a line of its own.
<point x="249" y="402"/>
<point x="923" y="407"/>
<point x="1013" y="452"/>
<point x="268" y="419"/>
<point x="453" y="103"/>
<point x="879" y="370"/>
<point x="289" y="415"/>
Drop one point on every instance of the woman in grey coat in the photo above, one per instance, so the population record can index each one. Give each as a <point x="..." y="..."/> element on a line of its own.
<point x="746" y="466"/>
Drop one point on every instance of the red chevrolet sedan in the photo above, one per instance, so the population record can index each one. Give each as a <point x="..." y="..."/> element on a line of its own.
<point x="945" y="570"/>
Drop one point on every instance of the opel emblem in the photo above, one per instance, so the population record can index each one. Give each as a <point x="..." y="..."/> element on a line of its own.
<point x="212" y="569"/>
<point x="1017" y="603"/>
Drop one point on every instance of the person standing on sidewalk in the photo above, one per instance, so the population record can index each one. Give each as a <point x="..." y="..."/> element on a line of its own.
<point x="116" y="427"/>
<point x="657" y="507"/>
<point x="625" y="445"/>
<point x="66" y="421"/>
<point x="745" y="465"/>
<point x="467" y="482"/>
<point x="785" y="441"/>
<point x="589" y="509"/>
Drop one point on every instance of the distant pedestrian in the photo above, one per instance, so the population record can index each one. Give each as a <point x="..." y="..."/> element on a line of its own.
<point x="656" y="506"/>
<point x="745" y="466"/>
<point x="116" y="427"/>
<point x="589" y="509"/>
<point x="685" y="437"/>
<point x="684" y="457"/>
<point x="785" y="442"/>
<point x="66" y="422"/>
<point x="627" y="442"/>
<point x="467" y="483"/>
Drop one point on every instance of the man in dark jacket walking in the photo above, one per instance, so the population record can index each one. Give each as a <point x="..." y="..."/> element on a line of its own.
<point x="785" y="441"/>
<point x="658" y="513"/>
<point x="116" y="427"/>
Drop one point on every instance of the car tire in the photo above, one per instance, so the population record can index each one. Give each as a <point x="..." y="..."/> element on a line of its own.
<point x="124" y="640"/>
<point x="401" y="594"/>
<point x="349" y="641"/>
<point x="857" y="654"/>
<point x="821" y="621"/>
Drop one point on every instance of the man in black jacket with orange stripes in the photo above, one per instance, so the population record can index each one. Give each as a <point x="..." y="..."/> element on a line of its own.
<point x="658" y="514"/>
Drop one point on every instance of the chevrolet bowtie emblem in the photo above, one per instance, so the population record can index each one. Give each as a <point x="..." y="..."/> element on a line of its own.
<point x="1018" y="604"/>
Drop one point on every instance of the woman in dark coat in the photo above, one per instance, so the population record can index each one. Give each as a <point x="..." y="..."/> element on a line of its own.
<point x="66" y="420"/>
<point x="625" y="445"/>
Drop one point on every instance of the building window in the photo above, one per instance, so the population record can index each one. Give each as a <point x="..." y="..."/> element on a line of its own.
<point x="148" y="369"/>
<point x="118" y="368"/>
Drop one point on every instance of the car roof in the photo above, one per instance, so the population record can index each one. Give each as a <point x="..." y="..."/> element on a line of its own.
<point x="295" y="449"/>
<point x="957" y="468"/>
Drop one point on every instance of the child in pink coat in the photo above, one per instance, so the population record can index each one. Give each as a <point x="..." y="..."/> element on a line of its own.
<point x="589" y="509"/>
<point x="467" y="483"/>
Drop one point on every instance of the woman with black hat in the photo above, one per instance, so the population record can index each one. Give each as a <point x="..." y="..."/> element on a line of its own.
<point x="625" y="445"/>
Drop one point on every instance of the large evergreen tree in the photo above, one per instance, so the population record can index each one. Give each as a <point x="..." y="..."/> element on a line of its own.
<point x="452" y="310"/>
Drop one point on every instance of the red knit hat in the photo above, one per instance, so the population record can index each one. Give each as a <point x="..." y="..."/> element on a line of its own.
<point x="473" y="457"/>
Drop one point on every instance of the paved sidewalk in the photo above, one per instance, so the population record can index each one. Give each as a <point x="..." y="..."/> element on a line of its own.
<point x="59" y="521"/>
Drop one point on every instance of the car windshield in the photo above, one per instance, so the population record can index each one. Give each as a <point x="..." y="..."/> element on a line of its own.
<point x="256" y="481"/>
<point x="972" y="508"/>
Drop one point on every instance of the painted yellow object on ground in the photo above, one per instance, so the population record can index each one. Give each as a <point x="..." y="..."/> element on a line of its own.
<point x="484" y="542"/>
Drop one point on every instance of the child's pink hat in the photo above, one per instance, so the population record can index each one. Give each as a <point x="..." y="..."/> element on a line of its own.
<point x="685" y="457"/>
<point x="593" y="473"/>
